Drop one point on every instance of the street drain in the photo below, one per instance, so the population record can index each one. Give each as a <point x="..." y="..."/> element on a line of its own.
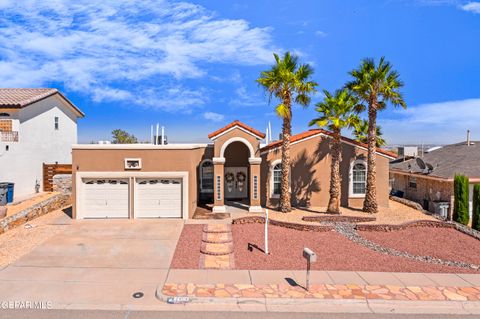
<point x="137" y="295"/>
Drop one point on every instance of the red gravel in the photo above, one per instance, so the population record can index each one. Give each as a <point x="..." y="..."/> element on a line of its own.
<point x="334" y="251"/>
<point x="187" y="253"/>
<point x="444" y="243"/>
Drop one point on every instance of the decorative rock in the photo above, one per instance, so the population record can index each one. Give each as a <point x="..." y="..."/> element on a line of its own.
<point x="62" y="183"/>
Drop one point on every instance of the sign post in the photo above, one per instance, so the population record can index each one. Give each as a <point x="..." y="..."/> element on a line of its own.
<point x="311" y="257"/>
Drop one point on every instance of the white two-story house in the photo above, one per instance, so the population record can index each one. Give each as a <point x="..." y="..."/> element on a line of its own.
<point x="36" y="126"/>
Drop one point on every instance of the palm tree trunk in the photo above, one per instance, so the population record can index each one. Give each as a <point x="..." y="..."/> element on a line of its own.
<point x="370" y="204"/>
<point x="334" y="202"/>
<point x="285" y="196"/>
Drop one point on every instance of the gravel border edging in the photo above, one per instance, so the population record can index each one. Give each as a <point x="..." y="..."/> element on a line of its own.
<point x="411" y="224"/>
<point x="339" y="219"/>
<point x="301" y="227"/>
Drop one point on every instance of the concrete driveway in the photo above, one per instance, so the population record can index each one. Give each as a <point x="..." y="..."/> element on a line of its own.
<point x="95" y="262"/>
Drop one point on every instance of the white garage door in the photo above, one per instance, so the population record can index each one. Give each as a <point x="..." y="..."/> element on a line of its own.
<point x="105" y="198"/>
<point x="158" y="197"/>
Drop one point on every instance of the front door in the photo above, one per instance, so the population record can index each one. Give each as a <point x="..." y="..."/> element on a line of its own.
<point x="236" y="182"/>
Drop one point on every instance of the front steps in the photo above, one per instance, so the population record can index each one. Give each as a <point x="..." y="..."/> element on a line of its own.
<point x="217" y="247"/>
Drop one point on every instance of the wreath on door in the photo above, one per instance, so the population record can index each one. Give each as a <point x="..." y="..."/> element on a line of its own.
<point x="229" y="179"/>
<point x="241" y="177"/>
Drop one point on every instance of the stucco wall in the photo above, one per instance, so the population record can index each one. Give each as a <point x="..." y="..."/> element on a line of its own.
<point x="153" y="160"/>
<point x="39" y="142"/>
<point x="310" y="177"/>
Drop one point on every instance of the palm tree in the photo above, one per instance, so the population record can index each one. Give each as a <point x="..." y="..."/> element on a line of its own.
<point x="361" y="133"/>
<point x="376" y="85"/>
<point x="336" y="112"/>
<point x="289" y="82"/>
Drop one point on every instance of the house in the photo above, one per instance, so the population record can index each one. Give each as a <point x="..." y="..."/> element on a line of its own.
<point x="429" y="180"/>
<point x="152" y="181"/>
<point x="36" y="126"/>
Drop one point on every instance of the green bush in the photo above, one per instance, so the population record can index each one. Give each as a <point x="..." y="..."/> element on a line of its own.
<point x="476" y="207"/>
<point x="460" y="205"/>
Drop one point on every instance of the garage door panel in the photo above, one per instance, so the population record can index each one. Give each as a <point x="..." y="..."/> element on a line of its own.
<point x="158" y="198"/>
<point x="105" y="198"/>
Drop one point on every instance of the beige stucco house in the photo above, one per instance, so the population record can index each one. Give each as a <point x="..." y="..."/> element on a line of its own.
<point x="154" y="181"/>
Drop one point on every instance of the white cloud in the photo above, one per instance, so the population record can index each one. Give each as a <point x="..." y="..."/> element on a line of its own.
<point x="245" y="98"/>
<point x="320" y="33"/>
<point x="473" y="7"/>
<point x="113" y="49"/>
<point x="212" y="116"/>
<point x="436" y="123"/>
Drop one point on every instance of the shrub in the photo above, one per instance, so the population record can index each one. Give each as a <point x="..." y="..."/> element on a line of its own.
<point x="460" y="205"/>
<point x="476" y="207"/>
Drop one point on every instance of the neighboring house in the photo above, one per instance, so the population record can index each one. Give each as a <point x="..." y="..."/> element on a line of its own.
<point x="36" y="126"/>
<point x="152" y="181"/>
<point x="429" y="186"/>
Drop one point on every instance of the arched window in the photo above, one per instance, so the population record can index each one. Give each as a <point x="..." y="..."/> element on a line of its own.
<point x="4" y="115"/>
<point x="358" y="179"/>
<point x="206" y="176"/>
<point x="276" y="180"/>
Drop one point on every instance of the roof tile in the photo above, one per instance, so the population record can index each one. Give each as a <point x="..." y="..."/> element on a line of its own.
<point x="313" y="132"/>
<point x="233" y="124"/>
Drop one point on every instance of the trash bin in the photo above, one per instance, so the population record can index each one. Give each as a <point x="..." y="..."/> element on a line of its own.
<point x="3" y="193"/>
<point x="10" y="192"/>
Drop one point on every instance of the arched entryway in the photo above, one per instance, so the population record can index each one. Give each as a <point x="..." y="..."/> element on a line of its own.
<point x="236" y="171"/>
<point x="236" y="166"/>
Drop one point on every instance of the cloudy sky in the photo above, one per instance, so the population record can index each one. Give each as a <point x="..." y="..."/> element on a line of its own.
<point x="191" y="66"/>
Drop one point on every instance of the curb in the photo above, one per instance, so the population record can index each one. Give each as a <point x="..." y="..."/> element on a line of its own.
<point x="333" y="305"/>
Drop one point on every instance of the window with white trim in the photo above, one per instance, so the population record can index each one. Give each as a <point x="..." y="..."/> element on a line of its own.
<point x="206" y="176"/>
<point x="277" y="179"/>
<point x="56" y="123"/>
<point x="359" y="179"/>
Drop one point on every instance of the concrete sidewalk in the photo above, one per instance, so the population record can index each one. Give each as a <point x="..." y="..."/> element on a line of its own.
<point x="262" y="277"/>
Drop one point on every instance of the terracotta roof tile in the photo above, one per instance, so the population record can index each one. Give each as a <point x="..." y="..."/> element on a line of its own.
<point x="233" y="124"/>
<point x="17" y="98"/>
<point x="313" y="132"/>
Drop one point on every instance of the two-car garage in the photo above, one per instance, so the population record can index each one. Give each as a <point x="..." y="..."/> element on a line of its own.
<point x="131" y="197"/>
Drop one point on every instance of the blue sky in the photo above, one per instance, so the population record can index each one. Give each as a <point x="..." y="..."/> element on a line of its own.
<point x="191" y="66"/>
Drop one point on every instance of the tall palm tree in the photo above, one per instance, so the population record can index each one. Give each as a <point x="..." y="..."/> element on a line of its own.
<point x="336" y="112"/>
<point x="377" y="85"/>
<point x="289" y="82"/>
<point x="361" y="133"/>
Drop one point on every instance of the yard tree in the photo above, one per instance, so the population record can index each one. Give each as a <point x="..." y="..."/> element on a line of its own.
<point x="476" y="207"/>
<point x="336" y="112"/>
<point x="460" y="202"/>
<point x="377" y="85"/>
<point x="289" y="82"/>
<point x="361" y="133"/>
<point x="123" y="137"/>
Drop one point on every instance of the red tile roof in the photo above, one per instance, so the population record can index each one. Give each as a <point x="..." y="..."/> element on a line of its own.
<point x="313" y="132"/>
<point x="22" y="97"/>
<point x="236" y="123"/>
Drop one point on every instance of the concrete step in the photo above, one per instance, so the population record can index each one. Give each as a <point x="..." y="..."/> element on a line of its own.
<point x="217" y="228"/>
<point x="216" y="249"/>
<point x="217" y="238"/>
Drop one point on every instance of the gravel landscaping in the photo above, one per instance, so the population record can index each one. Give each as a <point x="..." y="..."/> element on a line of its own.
<point x="335" y="252"/>
<point x="187" y="254"/>
<point x="444" y="243"/>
